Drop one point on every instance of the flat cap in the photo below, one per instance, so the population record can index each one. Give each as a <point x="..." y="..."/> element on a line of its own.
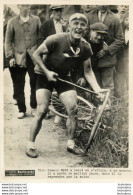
<point x="56" y="7"/>
<point x="99" y="27"/>
<point x="78" y="16"/>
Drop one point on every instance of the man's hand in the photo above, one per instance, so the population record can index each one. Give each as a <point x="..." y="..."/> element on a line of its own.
<point x="52" y="76"/>
<point x="101" y="94"/>
<point x="102" y="53"/>
<point x="12" y="62"/>
<point x="81" y="82"/>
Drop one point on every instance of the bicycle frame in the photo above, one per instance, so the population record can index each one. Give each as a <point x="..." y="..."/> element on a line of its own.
<point x="97" y="120"/>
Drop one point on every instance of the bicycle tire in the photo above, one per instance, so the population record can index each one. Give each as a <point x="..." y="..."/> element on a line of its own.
<point x="85" y="108"/>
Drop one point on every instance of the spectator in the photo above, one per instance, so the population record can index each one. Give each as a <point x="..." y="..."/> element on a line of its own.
<point x="20" y="43"/>
<point x="98" y="32"/>
<point x="121" y="76"/>
<point x="122" y="11"/>
<point x="34" y="10"/>
<point x="8" y="14"/>
<point x="88" y="8"/>
<point x="114" y="41"/>
<point x="53" y="25"/>
<point x="42" y="15"/>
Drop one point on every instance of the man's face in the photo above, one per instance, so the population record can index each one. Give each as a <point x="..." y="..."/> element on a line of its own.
<point x="57" y="14"/>
<point x="96" y="37"/>
<point x="77" y="28"/>
<point x="122" y="11"/>
<point x="89" y="8"/>
<point x="103" y="8"/>
<point x="24" y="10"/>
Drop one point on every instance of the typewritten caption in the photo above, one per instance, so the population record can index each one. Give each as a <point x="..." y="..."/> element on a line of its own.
<point x="80" y="173"/>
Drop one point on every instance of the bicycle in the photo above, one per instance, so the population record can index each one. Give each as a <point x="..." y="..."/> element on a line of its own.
<point x="86" y="112"/>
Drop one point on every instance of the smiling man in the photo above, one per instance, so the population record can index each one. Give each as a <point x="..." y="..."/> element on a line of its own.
<point x="62" y="54"/>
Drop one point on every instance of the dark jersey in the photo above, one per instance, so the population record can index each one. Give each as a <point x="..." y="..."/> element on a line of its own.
<point x="61" y="57"/>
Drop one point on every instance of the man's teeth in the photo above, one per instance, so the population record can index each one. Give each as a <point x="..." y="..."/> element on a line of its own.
<point x="78" y="31"/>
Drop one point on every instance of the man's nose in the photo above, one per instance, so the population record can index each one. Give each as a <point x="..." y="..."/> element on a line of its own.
<point x="25" y="8"/>
<point x="99" y="36"/>
<point x="79" y="25"/>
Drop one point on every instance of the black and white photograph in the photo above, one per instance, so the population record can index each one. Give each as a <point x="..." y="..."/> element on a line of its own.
<point x="66" y="90"/>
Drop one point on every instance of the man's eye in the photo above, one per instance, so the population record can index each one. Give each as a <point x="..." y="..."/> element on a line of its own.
<point x="75" y="23"/>
<point x="83" y="25"/>
<point x="97" y="34"/>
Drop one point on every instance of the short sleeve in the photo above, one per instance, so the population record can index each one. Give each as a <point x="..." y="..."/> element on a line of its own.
<point x="50" y="43"/>
<point x="87" y="51"/>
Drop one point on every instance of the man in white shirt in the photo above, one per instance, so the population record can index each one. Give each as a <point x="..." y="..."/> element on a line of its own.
<point x="20" y="44"/>
<point x="102" y="12"/>
<point x="53" y="25"/>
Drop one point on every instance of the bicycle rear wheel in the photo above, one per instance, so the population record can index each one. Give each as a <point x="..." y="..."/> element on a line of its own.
<point x="84" y="107"/>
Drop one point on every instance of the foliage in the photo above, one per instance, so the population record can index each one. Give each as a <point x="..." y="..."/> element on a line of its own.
<point x="109" y="147"/>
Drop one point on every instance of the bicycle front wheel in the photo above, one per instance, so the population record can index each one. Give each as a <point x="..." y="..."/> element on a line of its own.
<point x="85" y="108"/>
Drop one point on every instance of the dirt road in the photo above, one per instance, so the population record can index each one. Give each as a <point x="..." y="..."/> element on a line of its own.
<point x="51" y="141"/>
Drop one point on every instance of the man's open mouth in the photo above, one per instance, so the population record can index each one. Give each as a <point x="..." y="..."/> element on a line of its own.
<point x="78" y="31"/>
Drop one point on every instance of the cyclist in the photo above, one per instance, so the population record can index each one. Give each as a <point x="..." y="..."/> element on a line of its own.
<point x="61" y="53"/>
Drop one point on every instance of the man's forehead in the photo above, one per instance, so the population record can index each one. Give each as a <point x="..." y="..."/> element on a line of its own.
<point x="79" y="20"/>
<point x="98" y="32"/>
<point x="78" y="16"/>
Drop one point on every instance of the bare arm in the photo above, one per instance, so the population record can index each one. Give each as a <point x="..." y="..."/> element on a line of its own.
<point x="90" y="77"/>
<point x="42" y="50"/>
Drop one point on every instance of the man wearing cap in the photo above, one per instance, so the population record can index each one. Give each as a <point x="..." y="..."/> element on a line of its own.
<point x="62" y="53"/>
<point x="98" y="33"/>
<point x="53" y="25"/>
<point x="114" y="40"/>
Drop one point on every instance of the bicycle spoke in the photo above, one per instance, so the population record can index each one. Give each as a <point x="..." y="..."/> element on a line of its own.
<point x="84" y="107"/>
